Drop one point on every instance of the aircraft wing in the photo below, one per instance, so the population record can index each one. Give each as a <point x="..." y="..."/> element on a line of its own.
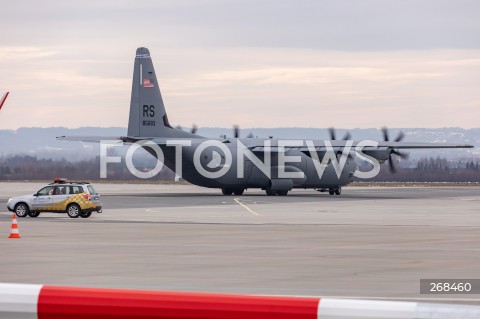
<point x="381" y="152"/>
<point x="413" y="145"/>
<point x="257" y="146"/>
<point x="320" y="145"/>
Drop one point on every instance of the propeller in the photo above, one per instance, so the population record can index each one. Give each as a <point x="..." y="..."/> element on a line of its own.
<point x="399" y="137"/>
<point x="236" y="132"/>
<point x="346" y="137"/>
<point x="193" y="130"/>
<point x="331" y="131"/>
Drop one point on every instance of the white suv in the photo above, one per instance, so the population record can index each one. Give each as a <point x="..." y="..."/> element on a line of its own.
<point x="74" y="198"/>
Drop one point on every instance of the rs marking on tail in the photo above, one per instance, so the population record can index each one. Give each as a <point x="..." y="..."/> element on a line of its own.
<point x="148" y="111"/>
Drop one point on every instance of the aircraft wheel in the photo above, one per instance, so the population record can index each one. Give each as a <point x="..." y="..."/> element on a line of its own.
<point x="338" y="191"/>
<point x="282" y="193"/>
<point x="331" y="191"/>
<point x="227" y="191"/>
<point x="270" y="192"/>
<point x="238" y="192"/>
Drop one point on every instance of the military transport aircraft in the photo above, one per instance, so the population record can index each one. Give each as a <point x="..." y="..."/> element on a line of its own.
<point x="235" y="164"/>
<point x="2" y="101"/>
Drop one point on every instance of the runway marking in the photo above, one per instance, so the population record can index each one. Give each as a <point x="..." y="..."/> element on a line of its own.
<point x="237" y="200"/>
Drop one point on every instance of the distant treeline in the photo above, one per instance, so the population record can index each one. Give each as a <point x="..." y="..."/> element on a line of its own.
<point x="432" y="170"/>
<point x="25" y="167"/>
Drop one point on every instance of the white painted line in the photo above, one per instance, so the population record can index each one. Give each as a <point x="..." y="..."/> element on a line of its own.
<point x="237" y="200"/>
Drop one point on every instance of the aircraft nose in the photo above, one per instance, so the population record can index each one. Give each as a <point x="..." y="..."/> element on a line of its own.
<point x="143" y="51"/>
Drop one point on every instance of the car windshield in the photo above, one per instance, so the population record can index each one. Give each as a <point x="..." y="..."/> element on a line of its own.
<point x="45" y="191"/>
<point x="92" y="190"/>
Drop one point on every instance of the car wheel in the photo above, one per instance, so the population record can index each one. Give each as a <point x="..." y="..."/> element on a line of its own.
<point x="21" y="210"/>
<point x="33" y="214"/>
<point x="85" y="214"/>
<point x="73" y="210"/>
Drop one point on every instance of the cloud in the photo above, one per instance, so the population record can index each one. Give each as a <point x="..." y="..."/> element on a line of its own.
<point x="8" y="54"/>
<point x="317" y="75"/>
<point x="252" y="87"/>
<point x="269" y="63"/>
<point x="370" y="89"/>
<point x="348" y="25"/>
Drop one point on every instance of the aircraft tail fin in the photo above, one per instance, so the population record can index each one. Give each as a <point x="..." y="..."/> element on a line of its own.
<point x="2" y="101"/>
<point x="148" y="117"/>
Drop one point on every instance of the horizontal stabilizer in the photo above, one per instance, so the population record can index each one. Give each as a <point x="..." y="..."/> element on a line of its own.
<point x="98" y="139"/>
<point x="90" y="139"/>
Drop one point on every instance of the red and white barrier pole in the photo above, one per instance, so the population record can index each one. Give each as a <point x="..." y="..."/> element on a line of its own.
<point x="51" y="302"/>
<point x="19" y="301"/>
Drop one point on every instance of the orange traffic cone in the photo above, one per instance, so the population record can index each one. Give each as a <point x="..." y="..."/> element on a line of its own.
<point x="14" y="230"/>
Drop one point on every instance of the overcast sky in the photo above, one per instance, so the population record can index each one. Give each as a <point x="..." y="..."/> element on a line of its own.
<point x="343" y="63"/>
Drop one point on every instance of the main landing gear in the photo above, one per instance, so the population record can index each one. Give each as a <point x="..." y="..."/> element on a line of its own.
<point x="230" y="191"/>
<point x="276" y="193"/>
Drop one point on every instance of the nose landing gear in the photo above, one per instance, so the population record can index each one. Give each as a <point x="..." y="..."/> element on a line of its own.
<point x="335" y="191"/>
<point x="331" y="191"/>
